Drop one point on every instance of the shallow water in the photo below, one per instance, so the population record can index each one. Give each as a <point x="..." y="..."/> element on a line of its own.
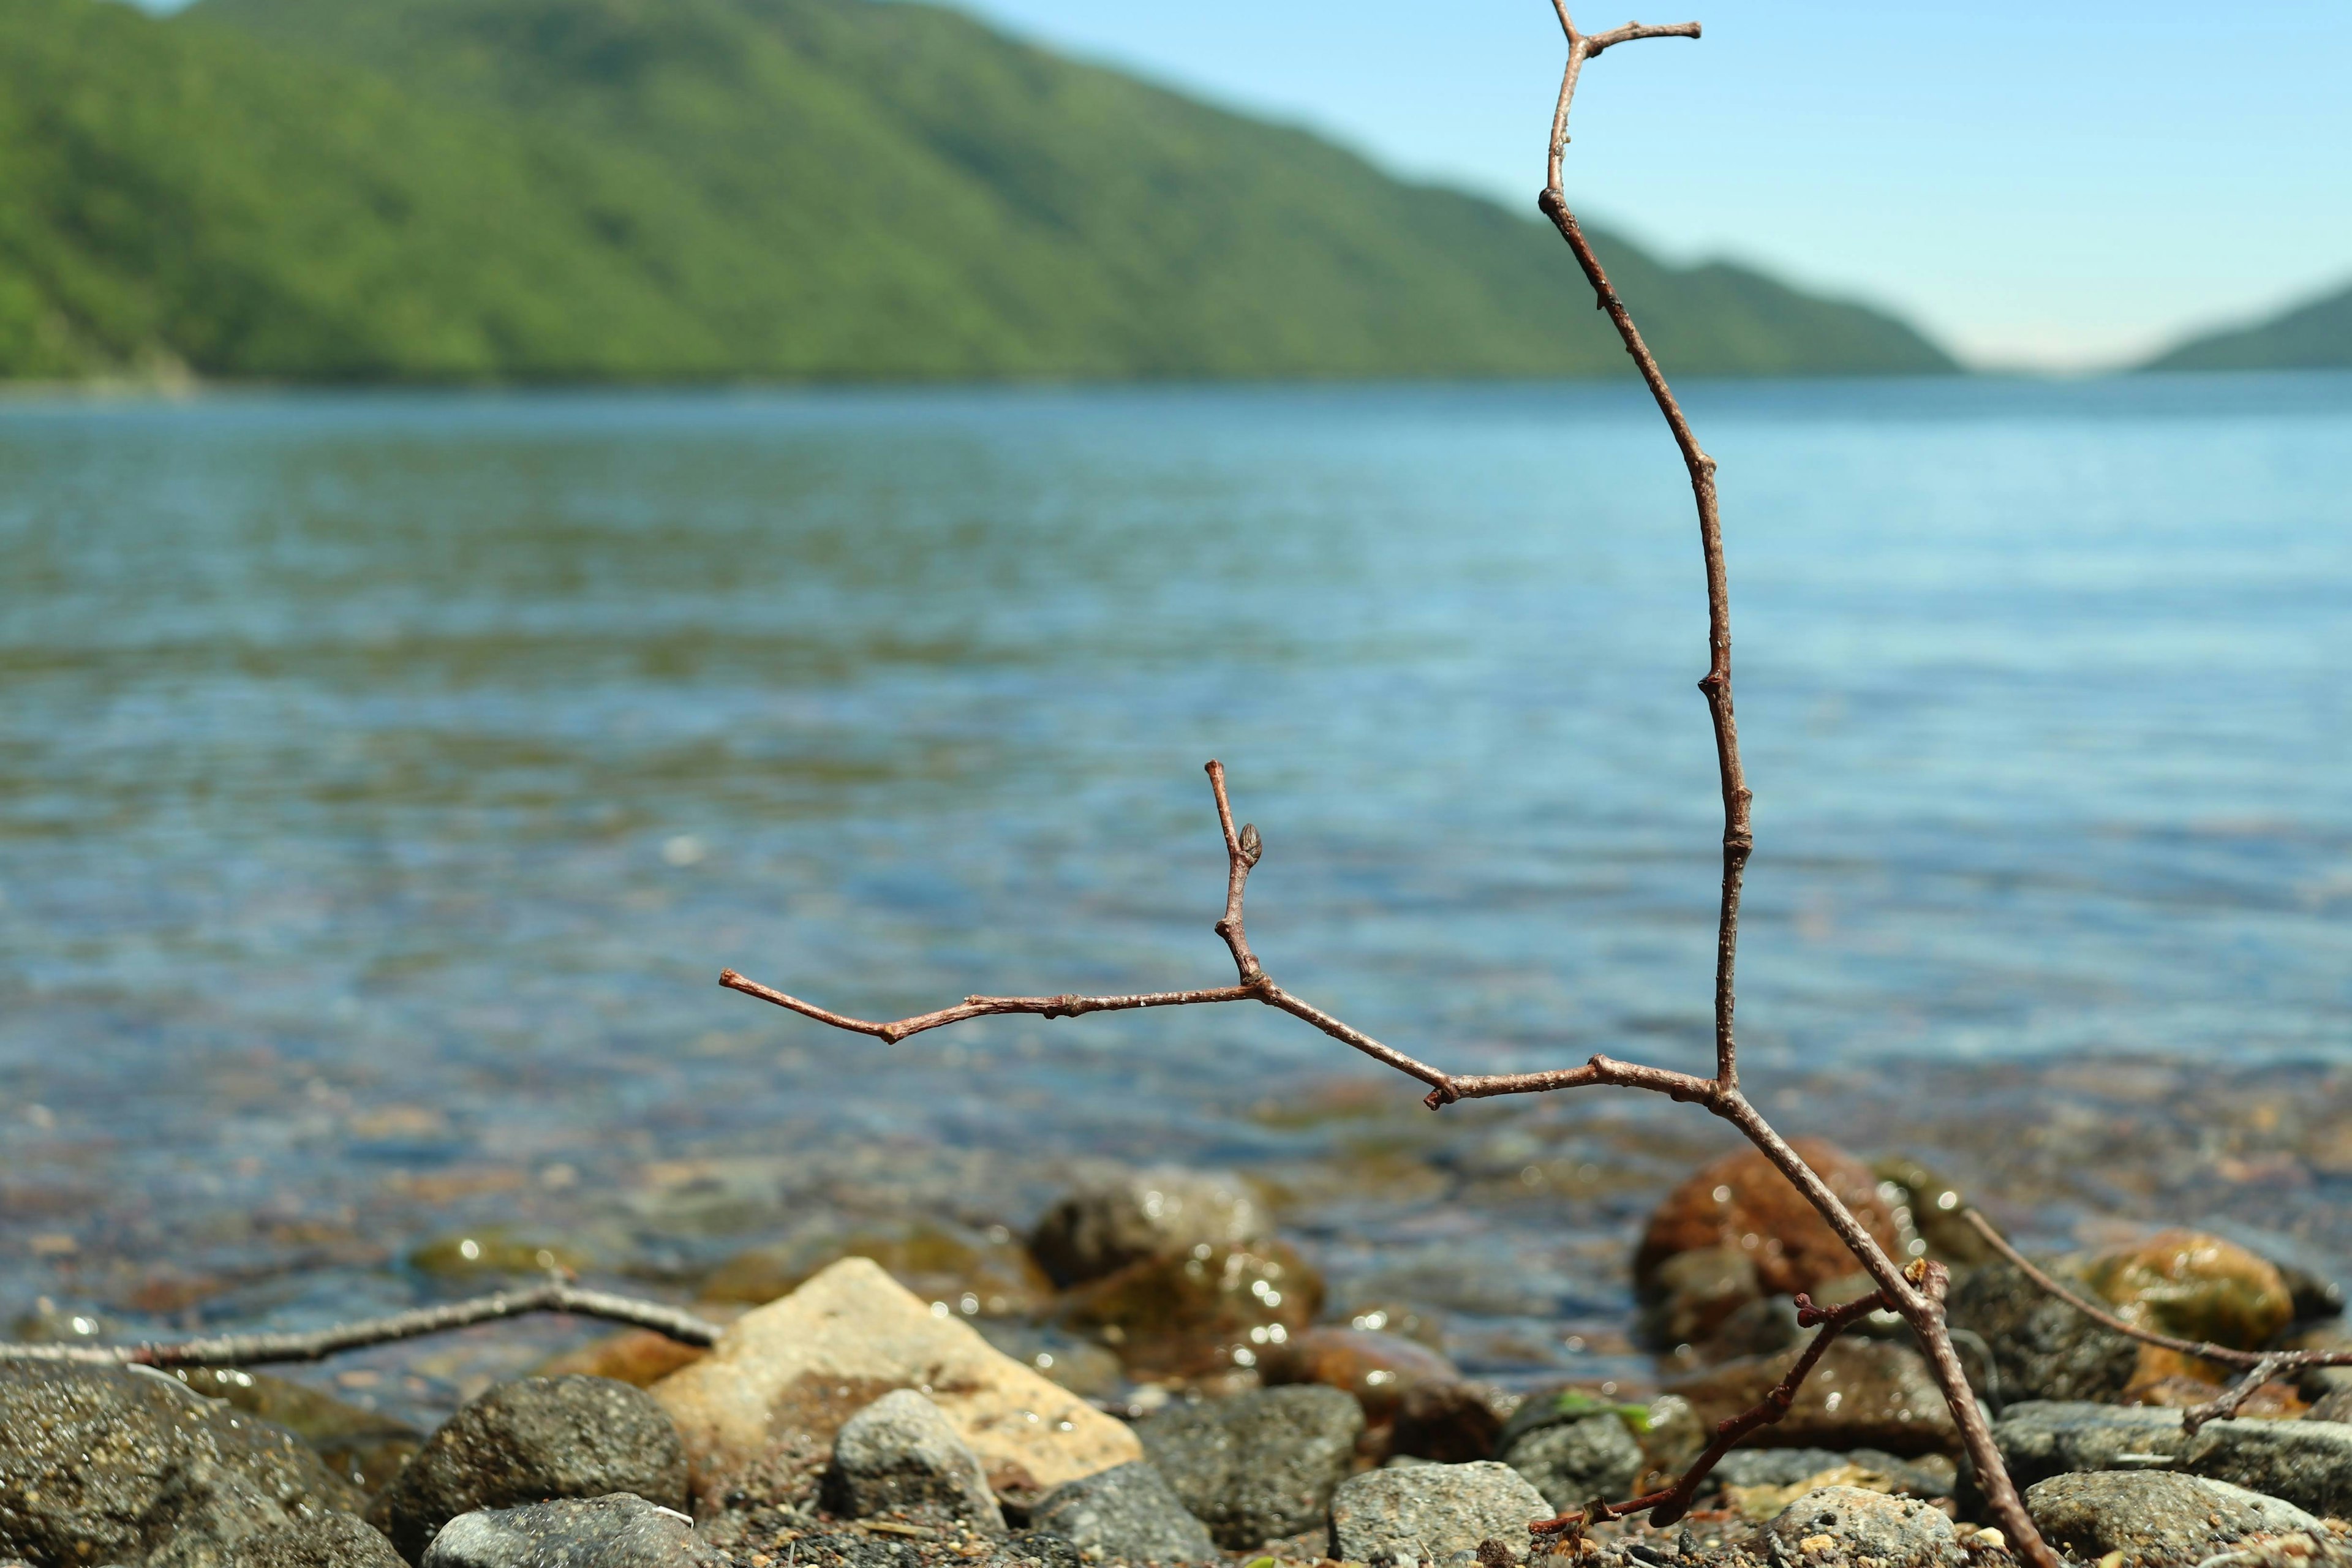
<point x="384" y="781"/>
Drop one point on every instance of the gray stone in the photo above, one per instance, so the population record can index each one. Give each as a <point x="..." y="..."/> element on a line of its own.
<point x="528" y="1441"/>
<point x="1433" y="1513"/>
<point x="1127" y="1514"/>
<point x="1572" y="1462"/>
<point x="616" y="1531"/>
<point x="2045" y="1348"/>
<point x="323" y="1540"/>
<point x="901" y="1454"/>
<point x="2158" y="1520"/>
<point x="1260" y="1465"/>
<point x="2336" y="1405"/>
<point x="1928" y="1476"/>
<point x="105" y="1464"/>
<point x="1120" y="1219"/>
<point x="1842" y="1525"/>
<point x="2307" y="1463"/>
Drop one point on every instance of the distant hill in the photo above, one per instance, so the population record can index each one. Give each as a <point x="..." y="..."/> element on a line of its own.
<point x="708" y="189"/>
<point x="2309" y="337"/>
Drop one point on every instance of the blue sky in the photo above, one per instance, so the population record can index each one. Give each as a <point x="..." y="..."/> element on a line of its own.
<point x="2061" y="186"/>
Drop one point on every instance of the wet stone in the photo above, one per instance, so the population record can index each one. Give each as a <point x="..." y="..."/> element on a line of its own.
<point x="2044" y="1349"/>
<point x="1260" y="1465"/>
<point x="901" y="1455"/>
<point x="1693" y="1294"/>
<point x="638" y="1357"/>
<point x="361" y="1446"/>
<point x="2306" y="1463"/>
<point x="2194" y="1285"/>
<point x="531" y="1440"/>
<point x="1433" y="1513"/>
<point x="1930" y="1476"/>
<point x="1123" y="1219"/>
<point x="1838" y="1526"/>
<point x="1194" y="1315"/>
<point x="1127" y="1513"/>
<point x="1451" y="1422"/>
<point x="103" y="1465"/>
<point x="322" y="1541"/>
<point x="2158" y="1520"/>
<point x="1378" y="1368"/>
<point x="614" y="1532"/>
<point x="1742" y="1203"/>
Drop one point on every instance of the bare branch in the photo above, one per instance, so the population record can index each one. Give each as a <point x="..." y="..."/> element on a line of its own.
<point x="259" y="1350"/>
<point x="1582" y="47"/>
<point x="1666" y="1506"/>
<point x="2258" y="1366"/>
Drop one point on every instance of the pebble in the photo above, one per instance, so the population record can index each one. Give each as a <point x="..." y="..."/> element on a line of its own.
<point x="1260" y="1465"/>
<point x="2158" y="1520"/>
<point x="1837" y="1526"/>
<point x="804" y="1365"/>
<point x="618" y="1531"/>
<point x="638" y="1357"/>
<point x="105" y="1464"/>
<point x="531" y="1440"/>
<point x="1125" y="1218"/>
<point x="321" y="1541"/>
<point x="1743" y="1203"/>
<point x="1433" y="1513"/>
<point x="1127" y="1513"/>
<point x="901" y="1454"/>
<point x="1378" y="1368"/>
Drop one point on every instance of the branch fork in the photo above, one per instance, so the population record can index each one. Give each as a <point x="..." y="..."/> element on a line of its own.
<point x="1915" y="1294"/>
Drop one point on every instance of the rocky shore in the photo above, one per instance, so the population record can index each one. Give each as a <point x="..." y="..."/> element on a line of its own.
<point x="1149" y="1376"/>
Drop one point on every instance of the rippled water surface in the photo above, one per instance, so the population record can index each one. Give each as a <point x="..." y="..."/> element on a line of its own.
<point x="384" y="780"/>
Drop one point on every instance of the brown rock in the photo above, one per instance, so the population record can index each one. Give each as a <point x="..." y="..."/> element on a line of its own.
<point x="1197" y="1314"/>
<point x="1123" y="1219"/>
<point x="2194" y="1285"/>
<point x="1377" y="1368"/>
<point x="976" y="1273"/>
<point x="1451" y="1422"/>
<point x="853" y="1333"/>
<point x="1864" y="1393"/>
<point x="1742" y="1202"/>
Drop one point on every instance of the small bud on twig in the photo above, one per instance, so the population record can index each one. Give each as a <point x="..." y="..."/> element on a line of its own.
<point x="1252" y="844"/>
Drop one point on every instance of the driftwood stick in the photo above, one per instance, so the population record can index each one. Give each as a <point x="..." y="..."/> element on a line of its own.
<point x="317" y="1344"/>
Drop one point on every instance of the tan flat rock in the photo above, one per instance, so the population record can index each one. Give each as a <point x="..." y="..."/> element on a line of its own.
<point x="807" y="1363"/>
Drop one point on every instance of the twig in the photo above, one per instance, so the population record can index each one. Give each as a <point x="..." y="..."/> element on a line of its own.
<point x="259" y="1350"/>
<point x="2260" y="1366"/>
<point x="1720" y="1094"/>
<point x="1667" y="1506"/>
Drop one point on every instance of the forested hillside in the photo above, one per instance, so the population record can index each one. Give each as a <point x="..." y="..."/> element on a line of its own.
<point x="2308" y="337"/>
<point x="706" y="189"/>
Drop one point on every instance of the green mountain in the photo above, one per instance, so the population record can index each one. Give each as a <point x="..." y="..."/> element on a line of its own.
<point x="2309" y="337"/>
<point x="697" y="189"/>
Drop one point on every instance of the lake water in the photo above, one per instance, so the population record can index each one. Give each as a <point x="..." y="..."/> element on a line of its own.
<point x="386" y="779"/>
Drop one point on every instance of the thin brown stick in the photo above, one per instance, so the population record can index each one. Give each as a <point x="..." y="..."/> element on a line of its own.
<point x="2258" y="1366"/>
<point x="1666" y="1506"/>
<point x="260" y="1350"/>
